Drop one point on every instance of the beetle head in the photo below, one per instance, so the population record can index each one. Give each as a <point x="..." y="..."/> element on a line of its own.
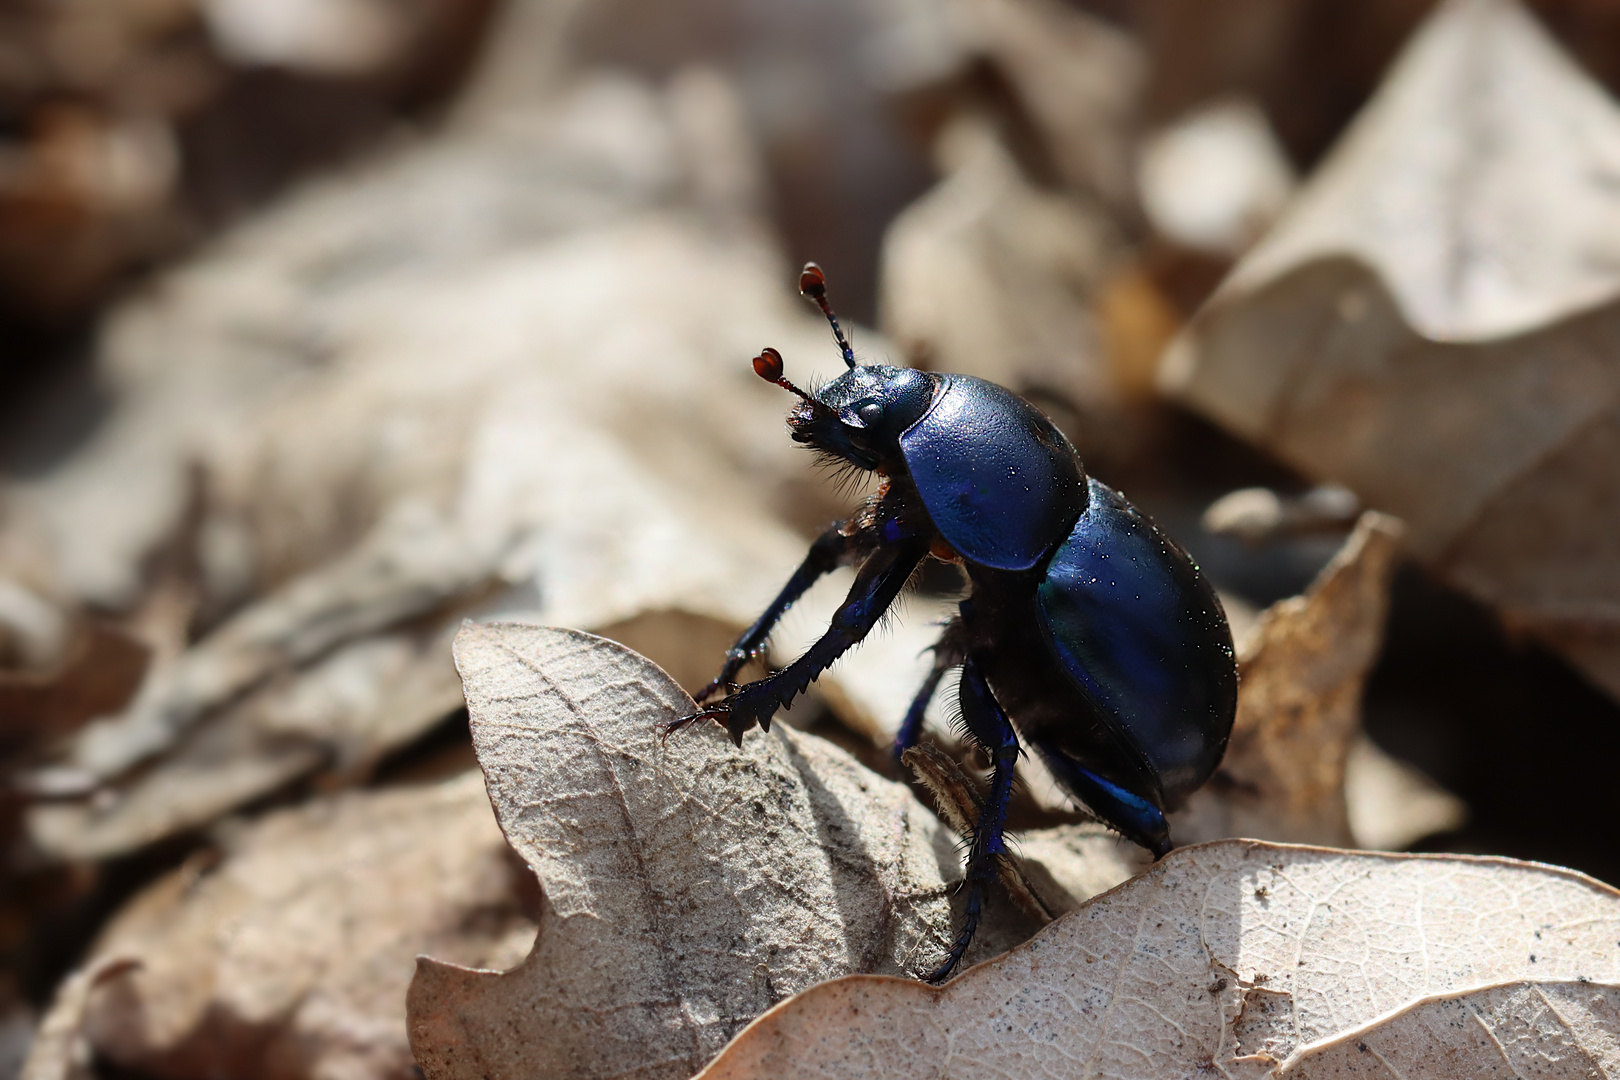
<point x="859" y="416"/>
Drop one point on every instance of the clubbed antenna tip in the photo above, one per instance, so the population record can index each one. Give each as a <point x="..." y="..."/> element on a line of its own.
<point x="768" y="366"/>
<point x="813" y="283"/>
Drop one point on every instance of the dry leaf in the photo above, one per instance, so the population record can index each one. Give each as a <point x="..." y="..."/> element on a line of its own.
<point x="1301" y="671"/>
<point x="99" y="671"/>
<point x="34" y="632"/>
<point x="58" y="1049"/>
<point x="1069" y="864"/>
<point x="86" y="193"/>
<point x="1432" y="325"/>
<point x="17" y="1033"/>
<point x="689" y="885"/>
<point x="1393" y="804"/>
<point x="291" y="956"/>
<point x="342" y="713"/>
<point x="1259" y="514"/>
<point x="412" y="564"/>
<point x="1543" y="1029"/>
<point x="1214" y="179"/>
<point x="1029" y="259"/>
<point x="348" y="39"/>
<point x="1236" y="956"/>
<point x="310" y="298"/>
<point x="1077" y="77"/>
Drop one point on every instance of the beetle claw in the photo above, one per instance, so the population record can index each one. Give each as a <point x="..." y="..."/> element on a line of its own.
<point x="733" y="711"/>
<point x="713" y="712"/>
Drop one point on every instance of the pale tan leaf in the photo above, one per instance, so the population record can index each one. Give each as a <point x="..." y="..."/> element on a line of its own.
<point x="1069" y="864"/>
<point x="1476" y="184"/>
<point x="689" y="885"/>
<point x="1217" y="954"/>
<point x="1030" y="258"/>
<point x="98" y="670"/>
<point x="1301" y="671"/>
<point x="1433" y="325"/>
<point x="412" y="563"/>
<point x="59" y="1049"/>
<point x="1215" y="178"/>
<point x="1560" y="1030"/>
<point x="341" y="713"/>
<point x="1078" y="79"/>
<point x="511" y="415"/>
<point x="290" y="956"/>
<point x="1393" y="804"/>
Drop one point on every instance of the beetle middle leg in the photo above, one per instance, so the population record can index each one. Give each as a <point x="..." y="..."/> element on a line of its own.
<point x="949" y="651"/>
<point x="877" y="583"/>
<point x="988" y="724"/>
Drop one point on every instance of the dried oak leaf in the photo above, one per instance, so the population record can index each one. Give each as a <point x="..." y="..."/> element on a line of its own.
<point x="1301" y="670"/>
<point x="58" y="1049"/>
<point x="290" y="956"/>
<point x="1551" y="1029"/>
<point x="1250" y="959"/>
<point x="1433" y="324"/>
<point x="688" y="885"/>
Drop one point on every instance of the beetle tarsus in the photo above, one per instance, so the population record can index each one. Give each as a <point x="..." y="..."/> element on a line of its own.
<point x="670" y="727"/>
<point x="735" y="659"/>
<point x="988" y="724"/>
<point x="970" y="926"/>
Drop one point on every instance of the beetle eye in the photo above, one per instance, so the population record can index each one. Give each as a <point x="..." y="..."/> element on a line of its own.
<point x="870" y="412"/>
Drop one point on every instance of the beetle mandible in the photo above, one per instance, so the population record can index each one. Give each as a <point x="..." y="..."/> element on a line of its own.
<point x="1086" y="630"/>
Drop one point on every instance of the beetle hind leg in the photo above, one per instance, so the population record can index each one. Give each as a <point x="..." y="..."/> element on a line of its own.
<point x="990" y="728"/>
<point x="1138" y="819"/>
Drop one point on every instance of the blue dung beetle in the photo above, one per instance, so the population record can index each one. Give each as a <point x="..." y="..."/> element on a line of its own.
<point x="1087" y="631"/>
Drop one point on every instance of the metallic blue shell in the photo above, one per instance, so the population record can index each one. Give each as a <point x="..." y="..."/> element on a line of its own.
<point x="999" y="480"/>
<point x="1141" y="633"/>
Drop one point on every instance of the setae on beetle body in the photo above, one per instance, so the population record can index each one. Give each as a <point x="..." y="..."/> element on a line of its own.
<point x="1088" y="635"/>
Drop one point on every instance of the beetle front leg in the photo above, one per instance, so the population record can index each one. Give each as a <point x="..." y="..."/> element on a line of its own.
<point x="990" y="728"/>
<point x="878" y="582"/>
<point x="826" y="552"/>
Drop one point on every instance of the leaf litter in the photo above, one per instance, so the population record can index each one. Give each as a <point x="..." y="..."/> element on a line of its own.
<point x="1301" y="672"/>
<point x="1252" y="959"/>
<point x="689" y="885"/>
<point x="365" y="505"/>
<point x="288" y="952"/>
<point x="1432" y="324"/>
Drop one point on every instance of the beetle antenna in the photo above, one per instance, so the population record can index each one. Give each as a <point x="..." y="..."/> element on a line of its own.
<point x="768" y="366"/>
<point x="813" y="283"/>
